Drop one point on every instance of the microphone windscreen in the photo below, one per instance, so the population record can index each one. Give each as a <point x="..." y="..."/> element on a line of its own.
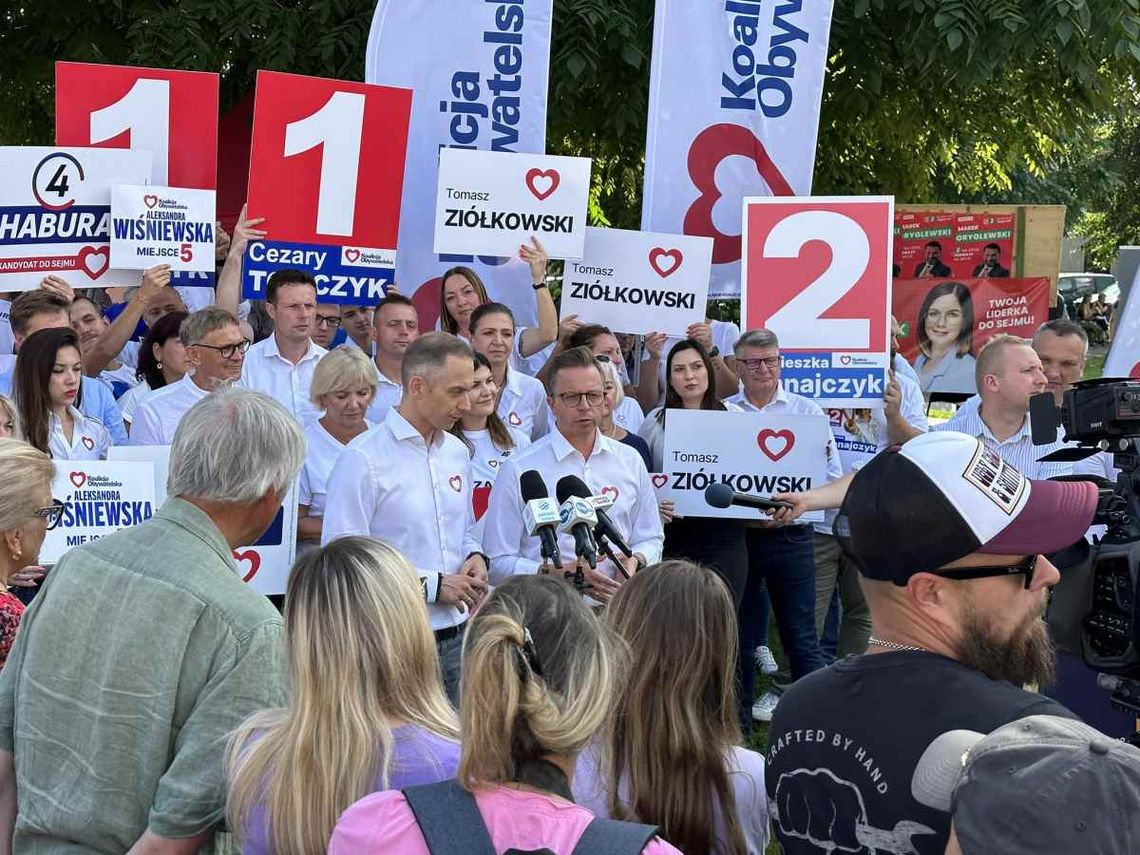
<point x="571" y="485"/>
<point x="532" y="487"/>
<point x="719" y="495"/>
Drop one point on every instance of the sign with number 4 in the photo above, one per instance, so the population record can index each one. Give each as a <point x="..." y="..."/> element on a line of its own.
<point x="817" y="272"/>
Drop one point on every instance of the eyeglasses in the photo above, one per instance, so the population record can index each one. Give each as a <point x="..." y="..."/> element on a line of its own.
<point x="769" y="362"/>
<point x="52" y="514"/>
<point x="934" y="316"/>
<point x="574" y="399"/>
<point x="332" y="321"/>
<point x="226" y="351"/>
<point x="1026" y="565"/>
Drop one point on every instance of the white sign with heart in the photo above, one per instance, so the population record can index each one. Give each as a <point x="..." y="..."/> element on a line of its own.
<point x="162" y="225"/>
<point x="639" y="282"/>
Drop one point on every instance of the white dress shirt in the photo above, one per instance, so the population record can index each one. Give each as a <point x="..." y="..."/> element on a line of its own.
<point x="1017" y="449"/>
<point x="157" y="415"/>
<point x="628" y="414"/>
<point x="322" y="450"/>
<point x="390" y="484"/>
<point x="388" y="396"/>
<point x="90" y="439"/>
<point x="522" y="405"/>
<point x="129" y="401"/>
<point x="612" y="469"/>
<point x="266" y="370"/>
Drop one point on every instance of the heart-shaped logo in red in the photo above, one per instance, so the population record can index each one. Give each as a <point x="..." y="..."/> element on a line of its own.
<point x="665" y="261"/>
<point x="775" y="443"/>
<point x="542" y="182"/>
<point x="708" y="149"/>
<point x="253" y="557"/>
<point x="1135" y="372"/>
<point x="845" y="360"/>
<point x="88" y="441"/>
<point x="659" y="480"/>
<point x="456" y="482"/>
<point x="94" y="262"/>
<point x="150" y="200"/>
<point x="612" y="492"/>
<point x="514" y="418"/>
<point x="352" y="254"/>
<point x="480" y="498"/>
<point x="78" y="479"/>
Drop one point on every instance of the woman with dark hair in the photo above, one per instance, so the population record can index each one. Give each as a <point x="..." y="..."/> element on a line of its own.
<point x="46" y="385"/>
<point x="162" y="360"/>
<point x="945" y="331"/>
<point x="521" y="401"/>
<point x="715" y="543"/>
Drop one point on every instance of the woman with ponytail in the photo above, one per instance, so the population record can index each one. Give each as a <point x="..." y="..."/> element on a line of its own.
<point x="538" y="680"/>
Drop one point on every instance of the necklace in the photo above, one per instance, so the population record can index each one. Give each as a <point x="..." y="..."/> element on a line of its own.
<point x="894" y="645"/>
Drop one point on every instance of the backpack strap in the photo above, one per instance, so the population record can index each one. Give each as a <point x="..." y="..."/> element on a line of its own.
<point x="449" y="819"/>
<point x="611" y="837"/>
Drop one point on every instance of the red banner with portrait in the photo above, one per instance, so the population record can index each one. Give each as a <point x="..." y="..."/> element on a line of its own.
<point x="934" y="245"/>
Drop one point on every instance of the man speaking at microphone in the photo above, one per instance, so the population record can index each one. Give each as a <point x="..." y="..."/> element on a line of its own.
<point x="575" y="447"/>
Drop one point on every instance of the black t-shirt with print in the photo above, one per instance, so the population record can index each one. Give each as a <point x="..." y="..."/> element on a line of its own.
<point x="845" y="741"/>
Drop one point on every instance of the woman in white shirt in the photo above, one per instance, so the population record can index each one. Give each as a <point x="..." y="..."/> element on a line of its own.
<point x="344" y="384"/>
<point x="162" y="361"/>
<point x="46" y="385"/>
<point x="522" y="399"/>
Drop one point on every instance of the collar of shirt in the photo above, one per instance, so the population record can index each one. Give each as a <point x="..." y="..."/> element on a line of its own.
<point x="742" y="400"/>
<point x="314" y="350"/>
<point x="562" y="448"/>
<point x="404" y="431"/>
<point x="382" y="378"/>
<point x="193" y="519"/>
<point x="973" y="424"/>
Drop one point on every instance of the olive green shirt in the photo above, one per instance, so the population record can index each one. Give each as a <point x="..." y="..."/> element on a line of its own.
<point x="140" y="655"/>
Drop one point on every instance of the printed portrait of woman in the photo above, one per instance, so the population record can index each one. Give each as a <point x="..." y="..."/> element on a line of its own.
<point x="945" y="330"/>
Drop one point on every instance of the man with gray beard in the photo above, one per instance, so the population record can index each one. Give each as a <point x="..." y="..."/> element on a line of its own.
<point x="947" y="538"/>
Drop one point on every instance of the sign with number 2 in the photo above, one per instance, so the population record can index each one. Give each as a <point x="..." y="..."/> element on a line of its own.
<point x="817" y="272"/>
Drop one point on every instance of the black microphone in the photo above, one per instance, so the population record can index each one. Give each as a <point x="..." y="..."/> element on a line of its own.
<point x="605" y="529"/>
<point x="721" y="495"/>
<point x="540" y="514"/>
<point x="584" y="546"/>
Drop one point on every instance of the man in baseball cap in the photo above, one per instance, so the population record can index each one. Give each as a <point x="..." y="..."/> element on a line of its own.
<point x="1041" y="784"/>
<point x="947" y="538"/>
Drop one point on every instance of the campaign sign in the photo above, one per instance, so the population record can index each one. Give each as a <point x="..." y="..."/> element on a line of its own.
<point x="162" y="225"/>
<point x="326" y="171"/>
<point x="751" y="452"/>
<point x="55" y="214"/>
<point x="491" y="202"/>
<point x="265" y="564"/>
<point x="817" y="272"/>
<point x="102" y="496"/>
<point x="639" y="282"/>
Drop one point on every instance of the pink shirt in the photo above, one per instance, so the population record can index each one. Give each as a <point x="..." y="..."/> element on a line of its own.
<point x="520" y="819"/>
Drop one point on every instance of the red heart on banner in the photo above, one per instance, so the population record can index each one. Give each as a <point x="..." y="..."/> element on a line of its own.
<point x="78" y="479"/>
<point x="673" y="255"/>
<point x="845" y="360"/>
<point x="94" y="262"/>
<point x="254" y="559"/>
<point x="612" y="492"/>
<point x="1135" y="372"/>
<point x="88" y="441"/>
<point x="352" y="254"/>
<point x="547" y="178"/>
<point x="456" y="482"/>
<point x="659" y="480"/>
<point x="150" y="200"/>
<point x="770" y="442"/>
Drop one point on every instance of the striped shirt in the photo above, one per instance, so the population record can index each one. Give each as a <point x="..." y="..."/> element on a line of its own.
<point x="1017" y="449"/>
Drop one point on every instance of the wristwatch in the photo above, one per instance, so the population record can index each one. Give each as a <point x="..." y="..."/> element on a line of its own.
<point x="714" y="353"/>
<point x="539" y="285"/>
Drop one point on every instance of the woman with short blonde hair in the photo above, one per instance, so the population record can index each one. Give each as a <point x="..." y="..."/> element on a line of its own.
<point x="366" y="709"/>
<point x="9" y="419"/>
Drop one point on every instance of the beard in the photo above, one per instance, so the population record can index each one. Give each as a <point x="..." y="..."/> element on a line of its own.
<point x="1025" y="657"/>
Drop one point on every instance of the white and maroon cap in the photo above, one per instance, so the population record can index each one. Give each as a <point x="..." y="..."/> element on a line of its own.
<point x="943" y="495"/>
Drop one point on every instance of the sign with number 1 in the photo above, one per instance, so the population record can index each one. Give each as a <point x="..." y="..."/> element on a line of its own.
<point x="817" y="272"/>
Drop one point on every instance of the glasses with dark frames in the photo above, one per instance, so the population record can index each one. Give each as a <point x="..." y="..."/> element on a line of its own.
<point x="1025" y="566"/>
<point x="226" y="351"/>
<point x="52" y="514"/>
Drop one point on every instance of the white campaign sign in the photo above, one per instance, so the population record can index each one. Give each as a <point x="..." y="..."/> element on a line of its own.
<point x="755" y="453"/>
<point x="267" y="563"/>
<point x="162" y="225"/>
<point x="55" y="214"/>
<point x="639" y="282"/>
<point x="492" y="202"/>
<point x="102" y="497"/>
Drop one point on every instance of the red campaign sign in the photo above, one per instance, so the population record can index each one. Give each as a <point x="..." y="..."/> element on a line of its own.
<point x="327" y="160"/>
<point x="913" y="230"/>
<point x="962" y="241"/>
<point x="172" y="114"/>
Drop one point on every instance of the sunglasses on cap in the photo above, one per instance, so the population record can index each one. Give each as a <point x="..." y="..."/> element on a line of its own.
<point x="1025" y="566"/>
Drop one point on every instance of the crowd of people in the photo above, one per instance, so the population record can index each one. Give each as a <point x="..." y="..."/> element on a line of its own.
<point x="437" y="681"/>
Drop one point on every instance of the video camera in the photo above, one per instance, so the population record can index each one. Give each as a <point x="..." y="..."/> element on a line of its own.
<point x="1095" y="610"/>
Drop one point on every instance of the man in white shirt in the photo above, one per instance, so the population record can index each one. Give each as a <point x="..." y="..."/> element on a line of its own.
<point x="326" y="322"/>
<point x="282" y="365"/>
<point x="408" y="481"/>
<point x="215" y="349"/>
<point x="357" y="324"/>
<point x="780" y="558"/>
<point x="575" y="447"/>
<point x="396" y="326"/>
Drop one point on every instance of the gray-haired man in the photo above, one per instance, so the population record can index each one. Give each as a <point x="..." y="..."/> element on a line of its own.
<point x="144" y="651"/>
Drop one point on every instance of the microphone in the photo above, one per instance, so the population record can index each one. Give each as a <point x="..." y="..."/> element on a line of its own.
<point x="579" y="518"/>
<point x="540" y="514"/>
<point x="721" y="496"/>
<point x="604" y="529"/>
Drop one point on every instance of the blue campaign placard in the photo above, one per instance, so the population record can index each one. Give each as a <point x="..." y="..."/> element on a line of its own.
<point x="349" y="275"/>
<point x="838" y="377"/>
<point x="193" y="279"/>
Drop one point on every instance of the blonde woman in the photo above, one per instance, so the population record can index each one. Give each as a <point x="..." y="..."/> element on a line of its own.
<point x="9" y="419"/>
<point x="344" y="384"/>
<point x="615" y="395"/>
<point x="671" y="754"/>
<point x="367" y="709"/>
<point x="537" y="684"/>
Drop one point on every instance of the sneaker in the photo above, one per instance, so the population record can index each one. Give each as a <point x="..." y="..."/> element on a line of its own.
<point x="766" y="660"/>
<point x="764" y="707"/>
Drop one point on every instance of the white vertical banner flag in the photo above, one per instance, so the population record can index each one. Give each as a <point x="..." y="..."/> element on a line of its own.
<point x="734" y="95"/>
<point x="1123" y="358"/>
<point x="479" y="72"/>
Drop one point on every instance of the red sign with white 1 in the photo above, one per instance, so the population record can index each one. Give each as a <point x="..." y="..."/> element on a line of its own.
<point x="817" y="272"/>
<point x="171" y="114"/>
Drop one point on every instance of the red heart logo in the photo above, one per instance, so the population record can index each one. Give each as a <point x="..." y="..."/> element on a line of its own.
<point x="845" y="360"/>
<point x="547" y="178"/>
<point x="514" y="418"/>
<point x="78" y="479"/>
<point x="673" y="255"/>
<point x="612" y="492"/>
<point x="480" y="497"/>
<point x="659" y="481"/>
<point x="150" y="200"/>
<point x="456" y="482"/>
<point x="88" y="441"/>
<point x="94" y="262"/>
<point x="254" y="559"/>
<point x="1135" y="372"/>
<point x="352" y="254"/>
<point x="708" y="149"/>
<point x="769" y="439"/>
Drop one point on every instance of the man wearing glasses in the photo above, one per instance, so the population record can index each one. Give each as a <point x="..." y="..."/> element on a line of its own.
<point x="215" y="349"/>
<point x="947" y="538"/>
<point x="326" y="324"/>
